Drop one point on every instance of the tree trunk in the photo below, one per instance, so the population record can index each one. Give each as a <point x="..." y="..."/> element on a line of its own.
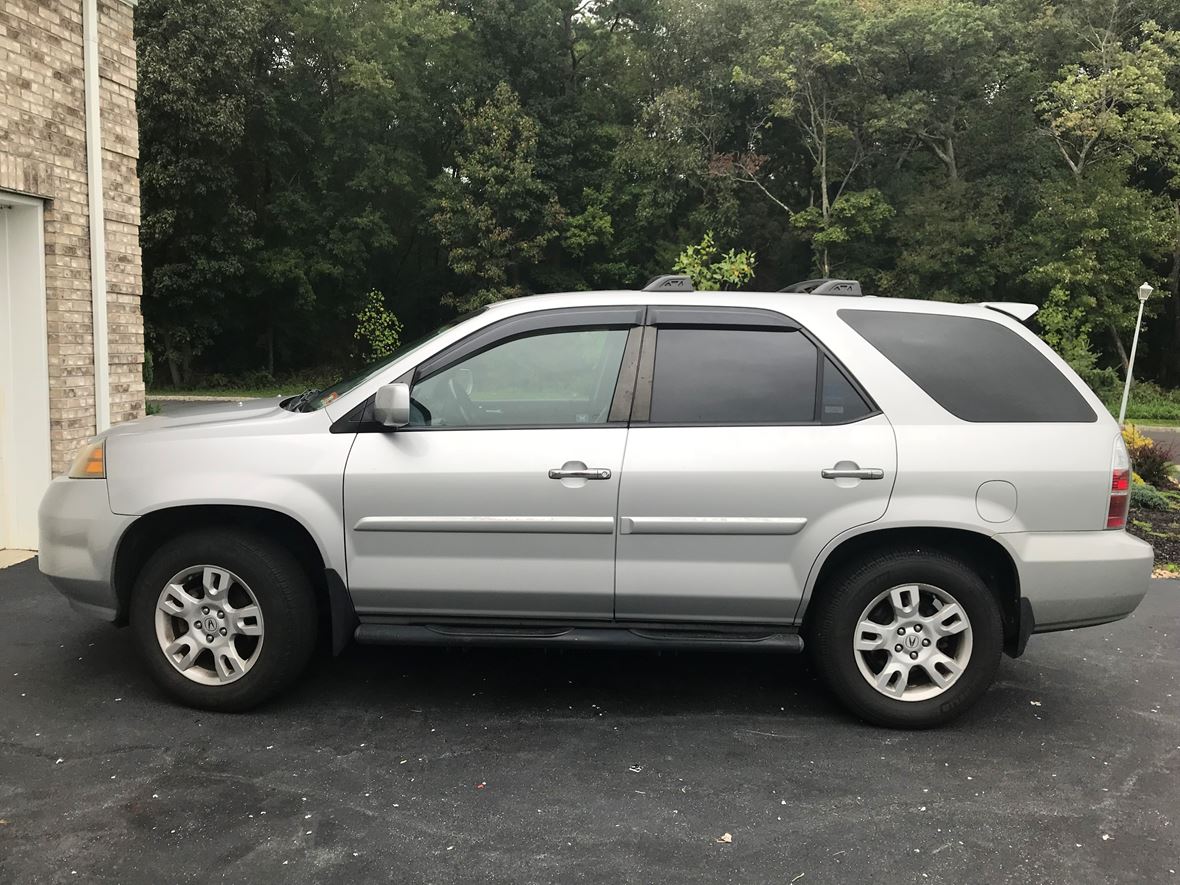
<point x="1118" y="346"/>
<point x="173" y="365"/>
<point x="270" y="350"/>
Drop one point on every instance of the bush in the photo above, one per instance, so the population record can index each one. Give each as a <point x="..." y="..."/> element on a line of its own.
<point x="1150" y="402"/>
<point x="378" y="330"/>
<point x="1149" y="458"/>
<point x="1148" y="498"/>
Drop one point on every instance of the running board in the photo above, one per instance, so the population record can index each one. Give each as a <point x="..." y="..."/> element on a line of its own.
<point x="585" y="637"/>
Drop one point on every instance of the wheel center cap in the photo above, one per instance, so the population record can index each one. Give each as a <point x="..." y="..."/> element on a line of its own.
<point x="211" y="625"/>
<point x="912" y="641"/>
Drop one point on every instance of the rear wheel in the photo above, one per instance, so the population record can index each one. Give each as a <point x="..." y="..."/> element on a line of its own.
<point x="907" y="639"/>
<point x="224" y="620"/>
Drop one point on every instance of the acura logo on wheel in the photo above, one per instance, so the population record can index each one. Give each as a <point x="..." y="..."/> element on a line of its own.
<point x="210" y="625"/>
<point x="911" y="641"/>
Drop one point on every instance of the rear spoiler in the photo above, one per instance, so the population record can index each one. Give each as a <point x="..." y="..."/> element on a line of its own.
<point x="1014" y="309"/>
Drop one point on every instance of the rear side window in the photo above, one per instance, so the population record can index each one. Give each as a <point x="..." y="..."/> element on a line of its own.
<point x="733" y="376"/>
<point x="976" y="369"/>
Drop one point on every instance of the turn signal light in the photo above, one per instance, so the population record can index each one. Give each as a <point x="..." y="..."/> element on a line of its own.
<point x="91" y="462"/>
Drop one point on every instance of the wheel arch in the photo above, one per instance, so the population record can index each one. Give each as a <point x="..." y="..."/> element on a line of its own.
<point x="151" y="529"/>
<point x="983" y="553"/>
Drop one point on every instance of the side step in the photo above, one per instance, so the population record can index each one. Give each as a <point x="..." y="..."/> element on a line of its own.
<point x="585" y="637"/>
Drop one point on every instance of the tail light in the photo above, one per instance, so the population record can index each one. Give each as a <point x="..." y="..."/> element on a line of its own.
<point x="1120" y="486"/>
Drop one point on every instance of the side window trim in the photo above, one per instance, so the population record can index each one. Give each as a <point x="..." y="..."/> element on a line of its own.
<point x="736" y="318"/>
<point x="525" y="324"/>
<point x="360" y="418"/>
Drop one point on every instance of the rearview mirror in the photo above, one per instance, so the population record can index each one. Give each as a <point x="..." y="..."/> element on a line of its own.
<point x="391" y="405"/>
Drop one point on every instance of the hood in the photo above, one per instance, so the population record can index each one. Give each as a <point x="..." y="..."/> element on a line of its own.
<point x="193" y="414"/>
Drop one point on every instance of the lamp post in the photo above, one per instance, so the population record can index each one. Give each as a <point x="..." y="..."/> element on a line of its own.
<point x="1144" y="293"/>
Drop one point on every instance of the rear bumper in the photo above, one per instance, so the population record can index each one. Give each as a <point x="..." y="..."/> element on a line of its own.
<point x="79" y="534"/>
<point x="1076" y="579"/>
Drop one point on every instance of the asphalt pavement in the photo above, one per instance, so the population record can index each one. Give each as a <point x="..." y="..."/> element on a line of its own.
<point x="427" y="765"/>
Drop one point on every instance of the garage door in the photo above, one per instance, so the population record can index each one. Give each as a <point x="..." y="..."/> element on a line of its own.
<point x="24" y="371"/>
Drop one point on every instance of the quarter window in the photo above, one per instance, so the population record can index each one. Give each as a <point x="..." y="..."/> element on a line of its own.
<point x="733" y="376"/>
<point x="551" y="379"/>
<point x="976" y="369"/>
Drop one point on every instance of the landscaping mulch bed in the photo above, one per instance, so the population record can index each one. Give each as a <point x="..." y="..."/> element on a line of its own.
<point x="1160" y="529"/>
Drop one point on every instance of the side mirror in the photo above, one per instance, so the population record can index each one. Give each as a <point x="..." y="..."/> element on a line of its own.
<point x="391" y="405"/>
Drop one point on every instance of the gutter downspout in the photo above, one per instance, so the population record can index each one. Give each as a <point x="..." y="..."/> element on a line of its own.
<point x="98" y="252"/>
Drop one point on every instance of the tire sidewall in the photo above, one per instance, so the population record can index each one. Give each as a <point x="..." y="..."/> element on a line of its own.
<point x="838" y="626"/>
<point x="283" y="595"/>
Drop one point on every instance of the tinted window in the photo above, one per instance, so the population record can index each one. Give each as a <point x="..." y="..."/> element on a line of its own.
<point x="841" y="403"/>
<point x="558" y="378"/>
<point x="733" y="376"/>
<point x="976" y="369"/>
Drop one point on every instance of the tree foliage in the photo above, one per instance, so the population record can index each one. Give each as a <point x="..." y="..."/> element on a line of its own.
<point x="299" y="154"/>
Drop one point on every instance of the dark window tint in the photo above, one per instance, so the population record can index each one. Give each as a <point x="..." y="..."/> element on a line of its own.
<point x="733" y="376"/>
<point x="975" y="369"/>
<point x="840" y="402"/>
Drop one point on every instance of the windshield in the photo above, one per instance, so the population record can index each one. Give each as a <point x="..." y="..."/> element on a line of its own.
<point x="321" y="398"/>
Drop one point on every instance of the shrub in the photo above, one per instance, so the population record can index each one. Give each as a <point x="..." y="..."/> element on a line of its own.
<point x="378" y="331"/>
<point x="1149" y="458"/>
<point x="1150" y="402"/>
<point x="1149" y="498"/>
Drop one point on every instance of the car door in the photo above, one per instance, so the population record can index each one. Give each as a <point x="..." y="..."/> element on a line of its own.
<point x="750" y="448"/>
<point x="499" y="499"/>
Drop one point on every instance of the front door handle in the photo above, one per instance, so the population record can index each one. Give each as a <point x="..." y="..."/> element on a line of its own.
<point x="579" y="473"/>
<point x="852" y="472"/>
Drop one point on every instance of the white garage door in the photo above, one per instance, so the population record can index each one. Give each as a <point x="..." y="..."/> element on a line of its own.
<point x="24" y="371"/>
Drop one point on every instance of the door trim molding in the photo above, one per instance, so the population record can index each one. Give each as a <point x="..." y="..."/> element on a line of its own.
<point x="711" y="525"/>
<point x="548" y="525"/>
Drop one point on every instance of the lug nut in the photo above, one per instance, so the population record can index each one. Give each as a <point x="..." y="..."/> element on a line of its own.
<point x="221" y="616"/>
<point x="205" y="609"/>
<point x="197" y="624"/>
<point x="925" y="642"/>
<point x="914" y="655"/>
<point x="209" y="638"/>
<point x="222" y="631"/>
<point x="897" y="648"/>
<point x="901" y="631"/>
<point x="917" y="628"/>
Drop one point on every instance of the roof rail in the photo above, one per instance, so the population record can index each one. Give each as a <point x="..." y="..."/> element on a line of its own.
<point x="673" y="282"/>
<point x="825" y="287"/>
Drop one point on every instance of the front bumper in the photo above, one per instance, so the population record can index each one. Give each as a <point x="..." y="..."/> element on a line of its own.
<point x="1075" y="579"/>
<point x="79" y="534"/>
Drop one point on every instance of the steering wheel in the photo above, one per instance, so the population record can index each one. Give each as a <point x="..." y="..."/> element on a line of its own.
<point x="463" y="404"/>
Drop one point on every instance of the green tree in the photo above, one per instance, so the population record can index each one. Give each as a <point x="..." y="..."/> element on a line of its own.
<point x="494" y="215"/>
<point x="196" y="232"/>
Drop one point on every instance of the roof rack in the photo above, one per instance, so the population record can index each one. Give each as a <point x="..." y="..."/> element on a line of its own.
<point x="825" y="287"/>
<point x="672" y="282"/>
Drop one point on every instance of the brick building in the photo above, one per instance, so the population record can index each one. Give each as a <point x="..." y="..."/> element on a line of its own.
<point x="71" y="334"/>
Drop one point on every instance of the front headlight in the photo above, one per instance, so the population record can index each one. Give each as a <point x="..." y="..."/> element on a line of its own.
<point x="91" y="462"/>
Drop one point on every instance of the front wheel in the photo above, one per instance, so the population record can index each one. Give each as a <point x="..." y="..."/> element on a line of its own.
<point x="907" y="639"/>
<point x="224" y="620"/>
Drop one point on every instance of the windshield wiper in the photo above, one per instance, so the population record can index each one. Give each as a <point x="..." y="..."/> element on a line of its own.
<point x="303" y="399"/>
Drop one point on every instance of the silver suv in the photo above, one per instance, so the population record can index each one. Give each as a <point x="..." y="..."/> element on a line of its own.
<point x="904" y="488"/>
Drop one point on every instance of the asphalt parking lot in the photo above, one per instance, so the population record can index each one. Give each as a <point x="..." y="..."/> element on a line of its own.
<point x="525" y="766"/>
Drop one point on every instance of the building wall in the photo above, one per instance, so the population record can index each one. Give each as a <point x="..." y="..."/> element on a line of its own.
<point x="43" y="153"/>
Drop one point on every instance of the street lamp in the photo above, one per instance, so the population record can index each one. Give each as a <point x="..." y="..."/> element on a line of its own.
<point x="1144" y="293"/>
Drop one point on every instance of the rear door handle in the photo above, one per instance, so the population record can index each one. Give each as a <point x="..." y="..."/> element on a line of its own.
<point x="852" y="473"/>
<point x="580" y="473"/>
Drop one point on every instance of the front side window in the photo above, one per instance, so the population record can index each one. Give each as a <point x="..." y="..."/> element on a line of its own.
<point x="550" y="379"/>
<point x="733" y="376"/>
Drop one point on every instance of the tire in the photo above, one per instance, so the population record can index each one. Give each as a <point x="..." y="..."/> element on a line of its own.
<point x="917" y="581"/>
<point x="249" y="654"/>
